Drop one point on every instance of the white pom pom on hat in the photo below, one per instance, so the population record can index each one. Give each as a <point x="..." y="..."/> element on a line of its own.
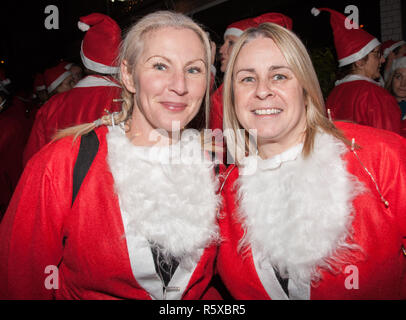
<point x="83" y="26"/>
<point x="315" y="12"/>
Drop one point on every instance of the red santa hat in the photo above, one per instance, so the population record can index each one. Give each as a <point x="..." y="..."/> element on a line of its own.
<point x="39" y="82"/>
<point x="101" y="43"/>
<point x="390" y="45"/>
<point x="274" y="17"/>
<point x="351" y="44"/>
<point x="54" y="76"/>
<point x="237" y="28"/>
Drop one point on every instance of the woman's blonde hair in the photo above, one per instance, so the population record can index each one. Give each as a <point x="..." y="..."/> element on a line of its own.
<point x="298" y="59"/>
<point x="131" y="48"/>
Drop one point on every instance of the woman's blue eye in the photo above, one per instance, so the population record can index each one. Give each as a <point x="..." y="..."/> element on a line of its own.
<point x="160" y="66"/>
<point x="279" y="77"/>
<point x="194" y="70"/>
<point x="248" y="79"/>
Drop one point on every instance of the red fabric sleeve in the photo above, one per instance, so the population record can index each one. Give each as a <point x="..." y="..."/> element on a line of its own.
<point x="31" y="232"/>
<point x="384" y="155"/>
<point x="383" y="111"/>
<point x="393" y="164"/>
<point x="36" y="139"/>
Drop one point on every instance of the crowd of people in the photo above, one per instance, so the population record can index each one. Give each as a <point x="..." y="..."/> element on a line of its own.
<point x="111" y="179"/>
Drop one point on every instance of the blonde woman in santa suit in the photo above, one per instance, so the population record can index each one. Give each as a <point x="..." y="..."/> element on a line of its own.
<point x="137" y="228"/>
<point x="315" y="209"/>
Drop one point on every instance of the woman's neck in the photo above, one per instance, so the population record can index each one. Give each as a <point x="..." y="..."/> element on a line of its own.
<point x="141" y="133"/>
<point x="153" y="137"/>
<point x="363" y="73"/>
<point x="269" y="149"/>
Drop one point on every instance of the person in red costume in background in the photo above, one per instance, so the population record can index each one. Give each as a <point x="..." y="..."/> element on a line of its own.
<point x="357" y="97"/>
<point x="396" y="85"/>
<point x="231" y="35"/>
<point x="313" y="209"/>
<point x="58" y="80"/>
<point x="16" y="119"/>
<point x="392" y="50"/>
<point x="92" y="96"/>
<point x="40" y="89"/>
<point x="75" y="70"/>
<point x="136" y="228"/>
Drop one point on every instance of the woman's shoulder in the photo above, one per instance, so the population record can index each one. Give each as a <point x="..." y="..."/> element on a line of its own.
<point x="372" y="138"/>
<point x="62" y="152"/>
<point x="361" y="85"/>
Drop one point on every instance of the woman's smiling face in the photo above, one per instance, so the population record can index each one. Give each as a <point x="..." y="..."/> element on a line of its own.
<point x="169" y="80"/>
<point x="267" y="95"/>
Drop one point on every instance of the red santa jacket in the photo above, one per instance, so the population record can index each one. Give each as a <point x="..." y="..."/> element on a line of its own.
<point x="15" y="123"/>
<point x="364" y="102"/>
<point x="86" y="102"/>
<point x="376" y="271"/>
<point x="42" y="232"/>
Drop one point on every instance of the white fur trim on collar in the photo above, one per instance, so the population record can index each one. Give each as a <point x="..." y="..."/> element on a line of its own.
<point x="298" y="216"/>
<point x="95" y="81"/>
<point x="172" y="205"/>
<point x="356" y="77"/>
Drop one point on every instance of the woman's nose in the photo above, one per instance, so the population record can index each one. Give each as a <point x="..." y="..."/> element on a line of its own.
<point x="223" y="48"/>
<point x="263" y="89"/>
<point x="178" y="83"/>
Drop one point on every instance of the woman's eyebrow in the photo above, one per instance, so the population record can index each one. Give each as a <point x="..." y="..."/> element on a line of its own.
<point x="195" y="60"/>
<point x="158" y="56"/>
<point x="245" y="69"/>
<point x="169" y="60"/>
<point x="278" y="67"/>
<point x="272" y="68"/>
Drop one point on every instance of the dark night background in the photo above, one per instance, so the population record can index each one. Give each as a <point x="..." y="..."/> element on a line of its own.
<point x="26" y="46"/>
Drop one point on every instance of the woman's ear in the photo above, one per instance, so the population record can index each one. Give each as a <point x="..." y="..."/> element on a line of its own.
<point x="127" y="77"/>
<point x="359" y="63"/>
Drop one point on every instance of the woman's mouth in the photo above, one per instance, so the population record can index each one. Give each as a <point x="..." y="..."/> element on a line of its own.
<point x="174" y="106"/>
<point x="267" y="111"/>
